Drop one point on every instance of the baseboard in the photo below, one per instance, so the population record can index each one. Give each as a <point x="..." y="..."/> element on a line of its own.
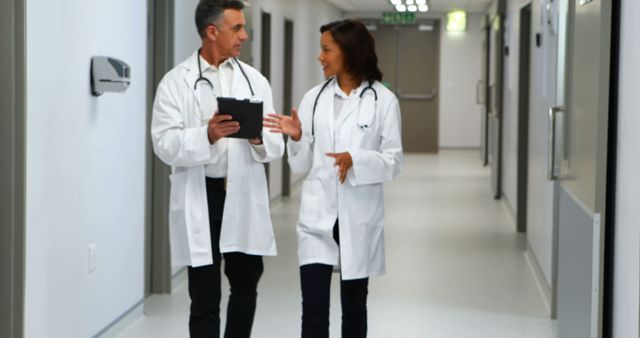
<point x="541" y="283"/>
<point x="122" y="323"/>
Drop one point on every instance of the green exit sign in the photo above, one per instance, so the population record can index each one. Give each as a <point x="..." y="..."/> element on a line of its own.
<point x="398" y="18"/>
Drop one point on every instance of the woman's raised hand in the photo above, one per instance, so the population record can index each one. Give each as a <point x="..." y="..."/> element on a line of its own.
<point x="289" y="125"/>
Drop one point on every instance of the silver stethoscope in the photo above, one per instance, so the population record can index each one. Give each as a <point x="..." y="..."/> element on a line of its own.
<point x="204" y="80"/>
<point x="362" y="124"/>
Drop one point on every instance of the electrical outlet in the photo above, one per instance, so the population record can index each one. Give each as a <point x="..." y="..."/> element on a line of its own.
<point x="93" y="260"/>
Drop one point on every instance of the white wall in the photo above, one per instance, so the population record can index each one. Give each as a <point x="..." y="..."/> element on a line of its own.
<point x="85" y="167"/>
<point x="627" y="253"/>
<point x="460" y="70"/>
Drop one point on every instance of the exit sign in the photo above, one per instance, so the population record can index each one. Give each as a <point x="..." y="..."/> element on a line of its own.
<point x="398" y="18"/>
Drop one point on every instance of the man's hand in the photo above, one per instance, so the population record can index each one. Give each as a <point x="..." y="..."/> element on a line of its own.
<point x="220" y="125"/>
<point x="343" y="162"/>
<point x="288" y="125"/>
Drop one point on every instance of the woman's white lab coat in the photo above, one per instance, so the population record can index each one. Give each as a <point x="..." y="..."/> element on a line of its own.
<point x="180" y="140"/>
<point x="358" y="204"/>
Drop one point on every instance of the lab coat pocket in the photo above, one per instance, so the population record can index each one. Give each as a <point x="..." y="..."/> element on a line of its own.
<point x="178" y="193"/>
<point x="310" y="202"/>
<point x="177" y="219"/>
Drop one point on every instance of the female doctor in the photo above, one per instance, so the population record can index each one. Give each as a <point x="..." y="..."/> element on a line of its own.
<point x="347" y="137"/>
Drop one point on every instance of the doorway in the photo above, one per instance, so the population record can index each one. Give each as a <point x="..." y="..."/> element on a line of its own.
<point x="158" y="272"/>
<point x="583" y="162"/>
<point x="482" y="91"/>
<point x="494" y="128"/>
<point x="265" y="62"/>
<point x="12" y="168"/>
<point x="287" y="98"/>
<point x="523" y="117"/>
<point x="409" y="58"/>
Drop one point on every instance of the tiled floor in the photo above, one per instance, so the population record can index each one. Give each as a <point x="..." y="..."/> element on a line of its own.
<point x="455" y="266"/>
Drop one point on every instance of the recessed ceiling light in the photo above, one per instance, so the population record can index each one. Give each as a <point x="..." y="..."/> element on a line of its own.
<point x="421" y="2"/>
<point x="409" y="2"/>
<point x="396" y="2"/>
<point x="401" y="8"/>
<point x="423" y="8"/>
<point x="412" y="8"/>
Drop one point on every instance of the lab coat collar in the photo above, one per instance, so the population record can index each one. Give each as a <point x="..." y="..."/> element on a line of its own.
<point x="206" y="66"/>
<point x="191" y="75"/>
<point x="352" y="102"/>
<point x="354" y="93"/>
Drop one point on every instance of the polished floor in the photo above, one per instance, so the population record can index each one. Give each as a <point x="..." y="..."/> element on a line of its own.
<point x="455" y="266"/>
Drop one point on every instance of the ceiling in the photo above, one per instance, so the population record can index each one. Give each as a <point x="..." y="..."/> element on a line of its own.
<point x="435" y="6"/>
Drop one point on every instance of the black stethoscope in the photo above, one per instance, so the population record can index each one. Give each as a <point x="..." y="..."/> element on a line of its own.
<point x="361" y="125"/>
<point x="206" y="81"/>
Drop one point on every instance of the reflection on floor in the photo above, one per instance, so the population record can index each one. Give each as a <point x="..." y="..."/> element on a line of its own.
<point x="455" y="266"/>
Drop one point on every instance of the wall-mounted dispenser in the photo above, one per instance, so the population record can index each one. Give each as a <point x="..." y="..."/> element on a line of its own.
<point x="109" y="75"/>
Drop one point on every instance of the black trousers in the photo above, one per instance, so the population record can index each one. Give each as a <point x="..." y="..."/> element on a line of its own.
<point x="243" y="272"/>
<point x="316" y="285"/>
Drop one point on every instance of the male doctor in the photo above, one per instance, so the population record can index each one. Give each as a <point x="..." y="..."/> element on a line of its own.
<point x="219" y="202"/>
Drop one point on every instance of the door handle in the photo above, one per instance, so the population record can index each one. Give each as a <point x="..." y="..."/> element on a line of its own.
<point x="425" y="97"/>
<point x="552" y="173"/>
<point x="479" y="91"/>
<point x="493" y="113"/>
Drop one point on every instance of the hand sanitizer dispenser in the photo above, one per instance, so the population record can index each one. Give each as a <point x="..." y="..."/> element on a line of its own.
<point x="109" y="75"/>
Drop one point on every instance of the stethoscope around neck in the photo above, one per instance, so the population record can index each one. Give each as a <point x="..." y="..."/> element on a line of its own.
<point x="361" y="124"/>
<point x="206" y="81"/>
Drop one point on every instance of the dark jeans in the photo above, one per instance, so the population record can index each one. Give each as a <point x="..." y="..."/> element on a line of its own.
<point x="243" y="272"/>
<point x="316" y="285"/>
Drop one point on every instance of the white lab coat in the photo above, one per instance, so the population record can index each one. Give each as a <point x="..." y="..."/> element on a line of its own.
<point x="181" y="141"/>
<point x="359" y="202"/>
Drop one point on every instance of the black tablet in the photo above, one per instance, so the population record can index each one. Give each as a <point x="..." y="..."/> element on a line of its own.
<point x="247" y="113"/>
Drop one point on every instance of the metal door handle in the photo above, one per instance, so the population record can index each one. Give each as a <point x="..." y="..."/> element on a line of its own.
<point x="426" y="97"/>
<point x="479" y="96"/>
<point x="552" y="175"/>
<point x="492" y="102"/>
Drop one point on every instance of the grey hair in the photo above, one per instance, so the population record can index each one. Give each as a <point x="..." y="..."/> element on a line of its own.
<point x="210" y="11"/>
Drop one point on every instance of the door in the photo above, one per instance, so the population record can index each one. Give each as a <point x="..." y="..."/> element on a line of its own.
<point x="287" y="97"/>
<point x="246" y="54"/>
<point x="495" y="100"/>
<point x="482" y="94"/>
<point x="409" y="59"/>
<point x="265" y="69"/>
<point x="523" y="117"/>
<point x="583" y="170"/>
<point x="547" y="90"/>
<point x="158" y="256"/>
<point x="12" y="169"/>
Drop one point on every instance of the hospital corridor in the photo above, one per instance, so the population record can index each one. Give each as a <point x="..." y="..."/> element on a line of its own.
<point x="319" y="169"/>
<point x="456" y="268"/>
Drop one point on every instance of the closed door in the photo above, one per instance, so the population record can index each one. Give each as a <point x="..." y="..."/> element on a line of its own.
<point x="583" y="160"/>
<point x="482" y="96"/>
<point x="409" y="59"/>
<point x="494" y="138"/>
<point x="287" y="97"/>
<point x="546" y="61"/>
